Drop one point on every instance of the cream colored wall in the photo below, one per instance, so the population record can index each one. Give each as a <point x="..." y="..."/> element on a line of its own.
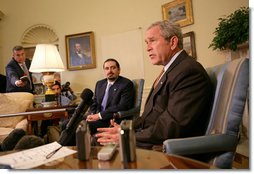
<point x="106" y="17"/>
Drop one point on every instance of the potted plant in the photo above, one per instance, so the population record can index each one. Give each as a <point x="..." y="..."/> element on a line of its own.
<point x="232" y="30"/>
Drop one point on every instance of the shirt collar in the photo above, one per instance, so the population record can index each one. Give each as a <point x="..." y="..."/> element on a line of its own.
<point x="172" y="60"/>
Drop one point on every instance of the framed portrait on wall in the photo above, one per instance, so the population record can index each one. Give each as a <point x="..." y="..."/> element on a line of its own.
<point x="189" y="44"/>
<point x="178" y="11"/>
<point x="80" y="51"/>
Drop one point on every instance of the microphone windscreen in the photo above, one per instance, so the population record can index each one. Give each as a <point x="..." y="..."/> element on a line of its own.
<point x="86" y="95"/>
<point x="29" y="141"/>
<point x="12" y="139"/>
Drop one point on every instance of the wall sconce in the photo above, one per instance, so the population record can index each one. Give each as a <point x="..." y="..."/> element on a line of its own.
<point x="47" y="60"/>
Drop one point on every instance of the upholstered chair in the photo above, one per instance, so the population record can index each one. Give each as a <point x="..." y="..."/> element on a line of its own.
<point x="218" y="146"/>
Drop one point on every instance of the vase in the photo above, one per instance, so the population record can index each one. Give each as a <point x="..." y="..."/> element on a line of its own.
<point x="242" y="51"/>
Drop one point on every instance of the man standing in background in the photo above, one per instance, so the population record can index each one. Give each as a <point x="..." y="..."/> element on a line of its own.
<point x="18" y="78"/>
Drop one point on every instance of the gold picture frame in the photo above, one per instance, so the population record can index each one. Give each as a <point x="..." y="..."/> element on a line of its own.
<point x="80" y="51"/>
<point x="189" y="44"/>
<point x="178" y="11"/>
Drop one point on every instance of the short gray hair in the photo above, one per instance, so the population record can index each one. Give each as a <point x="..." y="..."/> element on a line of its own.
<point x="169" y="29"/>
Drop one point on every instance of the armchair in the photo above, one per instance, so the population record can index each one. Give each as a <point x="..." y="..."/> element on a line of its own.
<point x="231" y="85"/>
<point x="135" y="111"/>
<point x="13" y="103"/>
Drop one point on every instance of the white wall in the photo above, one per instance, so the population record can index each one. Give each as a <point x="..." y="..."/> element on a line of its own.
<point x="105" y="18"/>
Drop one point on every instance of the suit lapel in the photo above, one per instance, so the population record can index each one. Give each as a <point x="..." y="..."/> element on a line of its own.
<point x="102" y="90"/>
<point x="18" y="68"/>
<point x="163" y="80"/>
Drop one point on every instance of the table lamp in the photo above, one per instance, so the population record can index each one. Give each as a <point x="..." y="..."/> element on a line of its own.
<point x="47" y="60"/>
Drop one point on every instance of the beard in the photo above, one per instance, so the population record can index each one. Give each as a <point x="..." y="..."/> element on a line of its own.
<point x="112" y="78"/>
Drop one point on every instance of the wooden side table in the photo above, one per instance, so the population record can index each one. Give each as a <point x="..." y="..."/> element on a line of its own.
<point x="44" y="114"/>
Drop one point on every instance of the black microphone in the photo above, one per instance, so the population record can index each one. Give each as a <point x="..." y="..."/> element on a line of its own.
<point x="68" y="133"/>
<point x="12" y="139"/>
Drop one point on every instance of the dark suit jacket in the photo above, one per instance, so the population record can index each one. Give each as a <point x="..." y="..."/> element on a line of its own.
<point x="13" y="73"/>
<point x="121" y="98"/>
<point x="179" y="106"/>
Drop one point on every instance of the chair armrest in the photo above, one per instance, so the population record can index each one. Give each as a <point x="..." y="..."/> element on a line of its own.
<point x="129" y="113"/>
<point x="201" y="144"/>
<point x="23" y="124"/>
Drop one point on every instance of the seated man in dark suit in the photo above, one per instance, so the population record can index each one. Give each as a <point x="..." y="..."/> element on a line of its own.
<point x="112" y="94"/>
<point x="180" y="99"/>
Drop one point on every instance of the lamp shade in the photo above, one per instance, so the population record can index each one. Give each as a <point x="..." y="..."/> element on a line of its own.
<point x="46" y="59"/>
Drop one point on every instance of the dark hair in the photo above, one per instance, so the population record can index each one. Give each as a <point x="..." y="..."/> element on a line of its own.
<point x="57" y="83"/>
<point x="113" y="60"/>
<point x="17" y="48"/>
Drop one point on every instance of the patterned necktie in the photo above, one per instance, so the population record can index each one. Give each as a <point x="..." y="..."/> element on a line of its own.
<point x="105" y="98"/>
<point x="26" y="73"/>
<point x="158" y="79"/>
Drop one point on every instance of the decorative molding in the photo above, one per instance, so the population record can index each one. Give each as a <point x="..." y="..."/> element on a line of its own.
<point x="40" y="33"/>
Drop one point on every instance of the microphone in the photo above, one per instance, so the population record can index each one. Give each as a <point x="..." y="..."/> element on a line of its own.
<point x="12" y="139"/>
<point x="68" y="133"/>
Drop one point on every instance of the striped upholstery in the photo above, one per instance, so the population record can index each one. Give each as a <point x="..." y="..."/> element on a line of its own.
<point x="231" y="85"/>
<point x="135" y="111"/>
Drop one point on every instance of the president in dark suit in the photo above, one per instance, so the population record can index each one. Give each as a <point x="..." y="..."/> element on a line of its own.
<point x="15" y="69"/>
<point x="112" y="94"/>
<point x="179" y="102"/>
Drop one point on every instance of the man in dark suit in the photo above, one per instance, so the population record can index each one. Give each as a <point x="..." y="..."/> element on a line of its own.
<point x="18" y="67"/>
<point x="179" y="102"/>
<point x="120" y="96"/>
<point x="78" y="57"/>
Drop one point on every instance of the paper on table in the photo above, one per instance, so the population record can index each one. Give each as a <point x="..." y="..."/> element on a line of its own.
<point x="34" y="157"/>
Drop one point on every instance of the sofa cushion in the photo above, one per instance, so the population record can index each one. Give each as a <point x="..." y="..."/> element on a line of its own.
<point x="13" y="103"/>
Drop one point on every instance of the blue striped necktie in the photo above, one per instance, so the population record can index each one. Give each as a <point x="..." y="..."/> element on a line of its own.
<point x="105" y="98"/>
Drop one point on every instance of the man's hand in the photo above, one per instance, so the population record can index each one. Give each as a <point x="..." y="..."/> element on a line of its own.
<point x="20" y="83"/>
<point x="108" y="135"/>
<point x="93" y="117"/>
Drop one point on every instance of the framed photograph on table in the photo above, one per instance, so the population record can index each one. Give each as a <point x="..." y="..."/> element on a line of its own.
<point x="39" y="89"/>
<point x="178" y="11"/>
<point x="80" y="51"/>
<point x="189" y="44"/>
